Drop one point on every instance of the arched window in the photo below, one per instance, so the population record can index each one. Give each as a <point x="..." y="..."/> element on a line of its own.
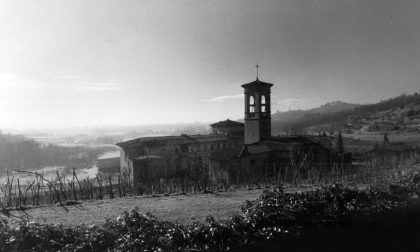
<point x="251" y="104"/>
<point x="263" y="107"/>
<point x="262" y="99"/>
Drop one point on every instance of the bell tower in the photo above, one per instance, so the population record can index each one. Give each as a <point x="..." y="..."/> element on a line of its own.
<point x="257" y="111"/>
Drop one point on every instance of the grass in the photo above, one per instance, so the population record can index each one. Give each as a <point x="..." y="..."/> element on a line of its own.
<point x="181" y="208"/>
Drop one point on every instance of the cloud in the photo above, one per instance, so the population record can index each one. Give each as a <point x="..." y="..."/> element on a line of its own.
<point x="223" y="98"/>
<point x="97" y="86"/>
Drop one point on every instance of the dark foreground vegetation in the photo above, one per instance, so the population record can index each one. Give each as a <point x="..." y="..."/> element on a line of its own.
<point x="331" y="218"/>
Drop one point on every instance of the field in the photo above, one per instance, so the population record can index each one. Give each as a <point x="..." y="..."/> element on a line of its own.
<point x="181" y="208"/>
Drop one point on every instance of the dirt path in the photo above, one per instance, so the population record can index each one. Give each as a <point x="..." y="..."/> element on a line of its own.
<point x="181" y="208"/>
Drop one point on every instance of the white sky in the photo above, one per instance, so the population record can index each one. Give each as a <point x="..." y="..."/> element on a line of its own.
<point x="84" y="63"/>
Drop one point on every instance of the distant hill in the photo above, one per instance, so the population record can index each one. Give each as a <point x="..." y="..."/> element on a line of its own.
<point x="333" y="107"/>
<point x="399" y="113"/>
<point x="298" y="119"/>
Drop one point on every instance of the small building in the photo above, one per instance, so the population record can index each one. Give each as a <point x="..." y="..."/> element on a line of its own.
<point x="227" y="127"/>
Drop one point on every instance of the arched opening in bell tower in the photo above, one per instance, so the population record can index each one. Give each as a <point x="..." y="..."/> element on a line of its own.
<point x="263" y="106"/>
<point x="251" y="104"/>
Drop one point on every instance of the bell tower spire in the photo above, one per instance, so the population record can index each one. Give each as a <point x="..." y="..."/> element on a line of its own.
<point x="257" y="111"/>
<point x="257" y="66"/>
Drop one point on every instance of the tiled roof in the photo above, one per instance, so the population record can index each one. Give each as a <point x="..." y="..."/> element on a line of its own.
<point x="276" y="145"/>
<point x="162" y="140"/>
<point x="206" y="138"/>
<point x="257" y="83"/>
<point x="257" y="149"/>
<point x="227" y="123"/>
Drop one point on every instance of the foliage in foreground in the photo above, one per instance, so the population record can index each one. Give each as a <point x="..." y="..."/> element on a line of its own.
<point x="273" y="216"/>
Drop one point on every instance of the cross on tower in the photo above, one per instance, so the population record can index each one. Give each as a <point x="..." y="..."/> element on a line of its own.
<point x="257" y="66"/>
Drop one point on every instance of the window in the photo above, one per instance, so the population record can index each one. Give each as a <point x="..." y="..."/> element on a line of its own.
<point x="263" y="109"/>
<point x="251" y="104"/>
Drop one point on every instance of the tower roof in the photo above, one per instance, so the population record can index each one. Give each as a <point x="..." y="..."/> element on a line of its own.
<point x="257" y="84"/>
<point x="227" y="123"/>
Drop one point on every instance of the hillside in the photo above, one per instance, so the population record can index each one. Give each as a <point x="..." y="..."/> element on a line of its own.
<point x="331" y="107"/>
<point x="21" y="153"/>
<point x="300" y="119"/>
<point x="401" y="113"/>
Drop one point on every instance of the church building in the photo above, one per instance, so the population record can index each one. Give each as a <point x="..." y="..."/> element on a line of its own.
<point x="233" y="151"/>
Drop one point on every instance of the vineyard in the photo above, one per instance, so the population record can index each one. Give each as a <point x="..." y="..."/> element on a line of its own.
<point x="71" y="189"/>
<point x="276" y="219"/>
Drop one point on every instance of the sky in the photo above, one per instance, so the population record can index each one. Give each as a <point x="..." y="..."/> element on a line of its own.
<point x="126" y="62"/>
